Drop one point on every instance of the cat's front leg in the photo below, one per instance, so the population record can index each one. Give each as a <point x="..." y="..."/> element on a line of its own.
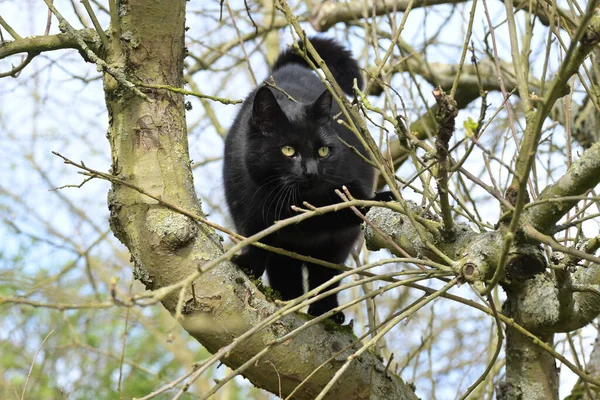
<point x="317" y="275"/>
<point x="384" y="196"/>
<point x="285" y="276"/>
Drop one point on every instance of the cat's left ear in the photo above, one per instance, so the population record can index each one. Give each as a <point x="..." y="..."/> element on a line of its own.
<point x="322" y="106"/>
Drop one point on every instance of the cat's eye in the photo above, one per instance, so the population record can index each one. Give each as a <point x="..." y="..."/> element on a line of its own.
<point x="288" y="151"/>
<point x="323" y="151"/>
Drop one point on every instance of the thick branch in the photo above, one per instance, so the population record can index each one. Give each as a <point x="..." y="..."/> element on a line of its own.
<point x="549" y="208"/>
<point x="329" y="13"/>
<point x="543" y="305"/>
<point x="402" y="231"/>
<point x="540" y="303"/>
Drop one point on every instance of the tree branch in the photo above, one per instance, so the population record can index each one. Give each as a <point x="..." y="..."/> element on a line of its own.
<point x="583" y="175"/>
<point x="14" y="71"/>
<point x="40" y="44"/>
<point x="446" y="115"/>
<point x="329" y="13"/>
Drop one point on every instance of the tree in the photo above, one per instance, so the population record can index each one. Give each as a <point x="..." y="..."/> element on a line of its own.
<point x="529" y="106"/>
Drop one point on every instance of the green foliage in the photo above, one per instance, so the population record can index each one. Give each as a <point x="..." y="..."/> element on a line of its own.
<point x="470" y="126"/>
<point x="81" y="358"/>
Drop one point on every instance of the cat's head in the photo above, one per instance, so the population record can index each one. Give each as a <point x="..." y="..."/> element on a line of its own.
<point x="294" y="145"/>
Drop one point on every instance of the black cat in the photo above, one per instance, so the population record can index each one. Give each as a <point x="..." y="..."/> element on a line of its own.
<point x="279" y="153"/>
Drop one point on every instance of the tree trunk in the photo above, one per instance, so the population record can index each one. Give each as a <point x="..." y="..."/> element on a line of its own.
<point x="531" y="372"/>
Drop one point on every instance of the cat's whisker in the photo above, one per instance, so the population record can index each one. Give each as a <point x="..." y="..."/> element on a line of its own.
<point x="279" y="197"/>
<point x="281" y="200"/>
<point x="276" y="197"/>
<point x="289" y="201"/>
<point x="296" y="195"/>
<point x="268" y="181"/>
<point x="275" y="191"/>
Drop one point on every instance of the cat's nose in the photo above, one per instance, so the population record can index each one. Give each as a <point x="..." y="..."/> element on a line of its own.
<point x="310" y="169"/>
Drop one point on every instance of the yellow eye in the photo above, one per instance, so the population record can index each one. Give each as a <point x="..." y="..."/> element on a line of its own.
<point x="288" y="151"/>
<point x="323" y="151"/>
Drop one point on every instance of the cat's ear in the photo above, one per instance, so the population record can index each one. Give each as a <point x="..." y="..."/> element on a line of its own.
<point x="322" y="106"/>
<point x="266" y="112"/>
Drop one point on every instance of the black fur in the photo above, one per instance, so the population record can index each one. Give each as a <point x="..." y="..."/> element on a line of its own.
<point x="343" y="67"/>
<point x="261" y="183"/>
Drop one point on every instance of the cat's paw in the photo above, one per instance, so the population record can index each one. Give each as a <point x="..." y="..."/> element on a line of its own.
<point x="384" y="196"/>
<point x="318" y="309"/>
<point x="338" y="318"/>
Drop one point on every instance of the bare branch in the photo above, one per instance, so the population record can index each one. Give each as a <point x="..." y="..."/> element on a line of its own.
<point x="329" y="13"/>
<point x="39" y="44"/>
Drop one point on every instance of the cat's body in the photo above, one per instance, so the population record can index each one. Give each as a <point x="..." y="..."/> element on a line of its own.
<point x="275" y="157"/>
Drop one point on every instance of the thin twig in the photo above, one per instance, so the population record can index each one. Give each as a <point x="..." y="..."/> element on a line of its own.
<point x="33" y="363"/>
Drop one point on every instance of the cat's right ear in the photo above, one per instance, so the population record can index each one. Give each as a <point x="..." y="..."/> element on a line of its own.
<point x="266" y="112"/>
<point x="322" y="106"/>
